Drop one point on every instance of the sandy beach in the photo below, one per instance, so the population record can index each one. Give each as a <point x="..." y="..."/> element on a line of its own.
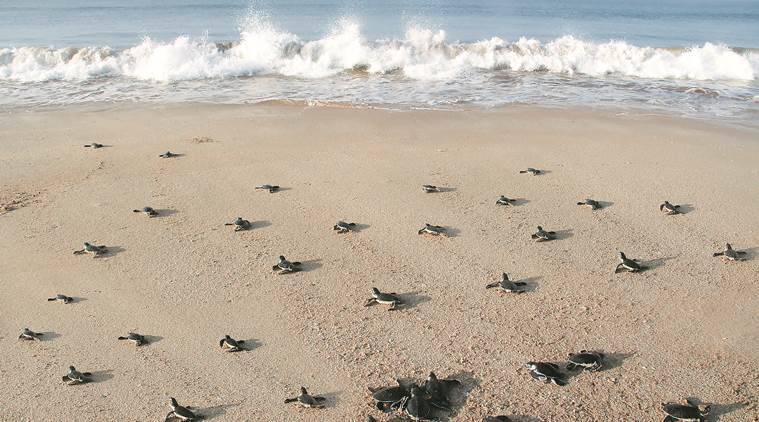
<point x="687" y="327"/>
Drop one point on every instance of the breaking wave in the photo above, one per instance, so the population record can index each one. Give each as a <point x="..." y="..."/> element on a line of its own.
<point x="422" y="54"/>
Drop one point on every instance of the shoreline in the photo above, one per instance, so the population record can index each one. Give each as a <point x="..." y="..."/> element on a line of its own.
<point x="686" y="328"/>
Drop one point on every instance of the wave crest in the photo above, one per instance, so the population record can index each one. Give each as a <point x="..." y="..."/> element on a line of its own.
<point x="422" y="54"/>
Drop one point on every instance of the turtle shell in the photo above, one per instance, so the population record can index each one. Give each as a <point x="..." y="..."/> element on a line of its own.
<point x="418" y="408"/>
<point x="390" y="394"/>
<point x="681" y="411"/>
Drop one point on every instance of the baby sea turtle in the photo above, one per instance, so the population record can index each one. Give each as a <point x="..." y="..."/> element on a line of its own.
<point x="669" y="209"/>
<point x="546" y="372"/>
<point x="384" y="298"/>
<point x="681" y="412"/>
<point x="532" y="171"/>
<point x="94" y="145"/>
<point x="506" y="285"/>
<point x="231" y="345"/>
<point x="343" y="227"/>
<point x="307" y="400"/>
<point x="168" y="154"/>
<point x="270" y="188"/>
<point x="285" y="266"/>
<point x="240" y="224"/>
<point x="181" y="412"/>
<point x="137" y="339"/>
<point x="27" y="334"/>
<point x="433" y="230"/>
<point x="628" y="264"/>
<point x="430" y="188"/>
<point x="589" y="361"/>
<point x="438" y="390"/>
<point x="543" y="235"/>
<point x="417" y="407"/>
<point x="503" y="200"/>
<point x="150" y="212"/>
<point x="391" y="397"/>
<point x="62" y="298"/>
<point x="95" y="250"/>
<point x="593" y="204"/>
<point x="74" y="377"/>
<point x="730" y="254"/>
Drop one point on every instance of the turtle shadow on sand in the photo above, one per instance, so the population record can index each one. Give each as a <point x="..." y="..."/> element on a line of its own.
<point x="751" y="253"/>
<point x="213" y="412"/>
<point x="442" y="189"/>
<point x="49" y="335"/>
<point x="563" y="234"/>
<point x="614" y="360"/>
<point x="531" y="283"/>
<point x="360" y="227"/>
<point x="452" y="231"/>
<point x="110" y="251"/>
<point x="250" y="344"/>
<point x="412" y="299"/>
<point x="165" y="212"/>
<point x="310" y="265"/>
<point x="717" y="410"/>
<point x="259" y="224"/>
<point x="152" y="339"/>
<point x="100" y="376"/>
<point x="605" y="204"/>
<point x="332" y="398"/>
<point x="686" y="208"/>
<point x="520" y="201"/>
<point x="653" y="264"/>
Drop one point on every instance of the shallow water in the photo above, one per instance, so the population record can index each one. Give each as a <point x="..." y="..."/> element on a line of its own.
<point x="694" y="58"/>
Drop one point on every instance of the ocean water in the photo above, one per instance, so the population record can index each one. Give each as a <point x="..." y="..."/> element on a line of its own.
<point x="695" y="58"/>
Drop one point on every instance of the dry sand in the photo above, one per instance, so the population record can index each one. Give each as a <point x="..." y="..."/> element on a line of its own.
<point x="686" y="328"/>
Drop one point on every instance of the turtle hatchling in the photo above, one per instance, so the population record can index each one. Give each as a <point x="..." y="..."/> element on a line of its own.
<point x="137" y="339"/>
<point x="628" y="264"/>
<point x="543" y="235"/>
<point x="94" y="145"/>
<point x="546" y="372"/>
<point x="240" y="224"/>
<point x="532" y="171"/>
<point x="503" y="200"/>
<point x="731" y="254"/>
<point x="270" y="188"/>
<point x="384" y="298"/>
<point x="149" y="211"/>
<point x="74" y="377"/>
<point x="433" y="230"/>
<point x="438" y="390"/>
<point x="391" y="397"/>
<point x="27" y="334"/>
<point x="593" y="204"/>
<point x="231" y="345"/>
<point x="95" y="250"/>
<point x="62" y="298"/>
<point x="343" y="227"/>
<point x="430" y="188"/>
<point x="180" y="412"/>
<point x="506" y="285"/>
<point x="168" y="154"/>
<point x="307" y="400"/>
<point x="417" y="407"/>
<point x="284" y="266"/>
<point x="685" y="412"/>
<point x="589" y="361"/>
<point x="669" y="209"/>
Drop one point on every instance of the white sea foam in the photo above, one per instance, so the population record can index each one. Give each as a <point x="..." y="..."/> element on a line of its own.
<point x="422" y="54"/>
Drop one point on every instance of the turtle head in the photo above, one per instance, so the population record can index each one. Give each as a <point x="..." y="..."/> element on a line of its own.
<point x="72" y="369"/>
<point x="432" y="377"/>
<point x="728" y="246"/>
<point x="621" y="255"/>
<point x="303" y="390"/>
<point x="530" y="365"/>
<point x="87" y="244"/>
<point x="174" y="402"/>
<point x="505" y="277"/>
<point x="282" y="258"/>
<point x="540" y="228"/>
<point x="375" y="290"/>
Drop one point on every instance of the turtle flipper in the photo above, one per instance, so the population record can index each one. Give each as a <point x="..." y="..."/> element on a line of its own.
<point x="571" y="366"/>
<point x="319" y="398"/>
<point x="65" y="378"/>
<point x="552" y="233"/>
<point x="274" y="267"/>
<point x="291" y="400"/>
<point x="491" y="285"/>
<point x="51" y="299"/>
<point x="616" y="270"/>
<point x="371" y="301"/>
<point x="534" y="236"/>
<point x="558" y="381"/>
<point x="79" y="252"/>
<point x="296" y="264"/>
